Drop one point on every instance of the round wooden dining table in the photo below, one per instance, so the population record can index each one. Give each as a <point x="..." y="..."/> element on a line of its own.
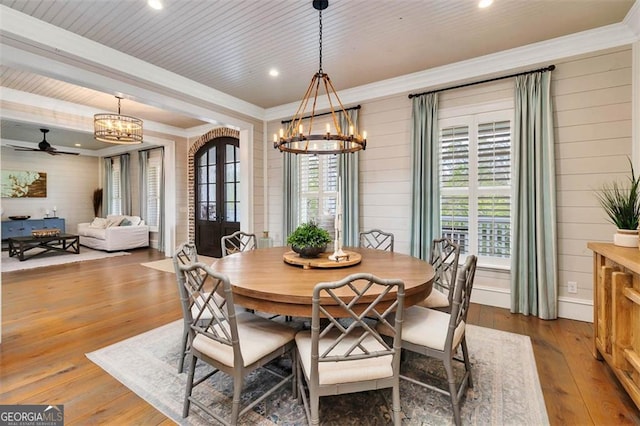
<point x="261" y="280"/>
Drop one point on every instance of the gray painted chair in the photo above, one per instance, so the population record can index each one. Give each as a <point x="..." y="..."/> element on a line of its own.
<point x="438" y="335"/>
<point x="345" y="355"/>
<point x="237" y="242"/>
<point x="444" y="258"/>
<point x="233" y="343"/>
<point x="186" y="254"/>
<point x="377" y="239"/>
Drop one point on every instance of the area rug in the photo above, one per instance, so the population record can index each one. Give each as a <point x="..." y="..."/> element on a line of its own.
<point x="506" y="385"/>
<point x="9" y="264"/>
<point x="166" y="265"/>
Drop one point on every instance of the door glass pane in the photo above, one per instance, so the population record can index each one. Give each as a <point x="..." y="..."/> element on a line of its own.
<point x="212" y="155"/>
<point x="212" y="192"/>
<point x="231" y="154"/>
<point x="230" y="193"/>
<point x="229" y="173"/>
<point x="212" y="211"/>
<point x="202" y="193"/>
<point x="202" y="160"/>
<point x="202" y="211"/>
<point x="202" y="175"/>
<point x="230" y="212"/>
<point x="212" y="174"/>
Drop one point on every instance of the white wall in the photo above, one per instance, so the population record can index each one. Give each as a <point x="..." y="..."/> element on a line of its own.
<point x="71" y="181"/>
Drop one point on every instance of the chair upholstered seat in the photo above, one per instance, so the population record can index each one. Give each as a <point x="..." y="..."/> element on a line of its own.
<point x="331" y="373"/>
<point x="428" y="327"/>
<point x="436" y="299"/>
<point x="258" y="337"/>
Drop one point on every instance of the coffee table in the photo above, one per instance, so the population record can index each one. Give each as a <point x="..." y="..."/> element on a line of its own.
<point x="18" y="246"/>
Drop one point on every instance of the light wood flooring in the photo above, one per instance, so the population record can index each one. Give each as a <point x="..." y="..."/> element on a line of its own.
<point x="52" y="316"/>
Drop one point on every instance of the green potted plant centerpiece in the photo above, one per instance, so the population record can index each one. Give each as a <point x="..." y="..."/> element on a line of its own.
<point x="622" y="205"/>
<point x="309" y="240"/>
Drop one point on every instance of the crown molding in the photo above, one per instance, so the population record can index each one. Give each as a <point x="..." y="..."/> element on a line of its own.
<point x="530" y="55"/>
<point x="632" y="20"/>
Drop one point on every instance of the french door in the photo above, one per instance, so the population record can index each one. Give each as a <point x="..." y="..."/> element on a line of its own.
<point x="217" y="185"/>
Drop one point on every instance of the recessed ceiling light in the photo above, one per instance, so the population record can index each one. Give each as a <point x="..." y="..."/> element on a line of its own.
<point x="155" y="4"/>
<point x="77" y="144"/>
<point x="274" y="72"/>
<point x="484" y="3"/>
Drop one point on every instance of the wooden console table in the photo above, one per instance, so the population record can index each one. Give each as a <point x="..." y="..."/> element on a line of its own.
<point x="616" y="312"/>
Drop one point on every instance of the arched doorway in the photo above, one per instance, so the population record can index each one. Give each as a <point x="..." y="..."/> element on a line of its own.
<point x="217" y="193"/>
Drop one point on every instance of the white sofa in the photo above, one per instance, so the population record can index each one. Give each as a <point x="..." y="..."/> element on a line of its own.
<point x="114" y="233"/>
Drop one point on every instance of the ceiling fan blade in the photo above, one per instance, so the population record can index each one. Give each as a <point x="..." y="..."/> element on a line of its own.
<point x="65" y="152"/>
<point x="22" y="148"/>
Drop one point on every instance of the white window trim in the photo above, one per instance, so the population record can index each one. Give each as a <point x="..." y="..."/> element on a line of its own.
<point x="154" y="161"/>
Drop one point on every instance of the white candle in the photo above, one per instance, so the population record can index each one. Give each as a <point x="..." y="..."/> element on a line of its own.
<point x="364" y="134"/>
<point x="275" y="137"/>
<point x="328" y="128"/>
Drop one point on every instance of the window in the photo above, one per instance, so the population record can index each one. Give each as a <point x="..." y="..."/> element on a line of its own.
<point x="318" y="175"/>
<point x="115" y="206"/>
<point x="153" y="184"/>
<point x="475" y="184"/>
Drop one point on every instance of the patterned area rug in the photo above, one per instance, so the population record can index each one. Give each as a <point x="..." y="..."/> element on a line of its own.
<point x="506" y="385"/>
<point x="53" y="258"/>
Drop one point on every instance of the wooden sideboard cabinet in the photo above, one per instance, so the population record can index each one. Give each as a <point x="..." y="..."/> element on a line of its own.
<point x="23" y="228"/>
<point x="616" y="312"/>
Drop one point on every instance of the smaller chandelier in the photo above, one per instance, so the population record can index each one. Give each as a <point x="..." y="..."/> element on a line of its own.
<point x="117" y="128"/>
<point x="294" y="139"/>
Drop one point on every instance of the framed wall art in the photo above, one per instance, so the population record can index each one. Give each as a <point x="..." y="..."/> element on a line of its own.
<point x="23" y="184"/>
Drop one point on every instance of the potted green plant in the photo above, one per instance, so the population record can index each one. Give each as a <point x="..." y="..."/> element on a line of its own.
<point x="622" y="205"/>
<point x="309" y="240"/>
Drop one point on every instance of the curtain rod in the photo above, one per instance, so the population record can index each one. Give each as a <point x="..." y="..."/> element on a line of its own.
<point x="545" y="69"/>
<point x="319" y="115"/>
<point x="151" y="149"/>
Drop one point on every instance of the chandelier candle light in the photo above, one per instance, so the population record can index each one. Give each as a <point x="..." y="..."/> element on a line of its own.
<point x="295" y="140"/>
<point x="117" y="128"/>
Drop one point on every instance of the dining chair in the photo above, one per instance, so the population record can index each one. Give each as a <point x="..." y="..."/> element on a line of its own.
<point x="343" y="352"/>
<point x="444" y="258"/>
<point x="237" y="242"/>
<point x="377" y="239"/>
<point x="438" y="335"/>
<point x="185" y="254"/>
<point x="232" y="343"/>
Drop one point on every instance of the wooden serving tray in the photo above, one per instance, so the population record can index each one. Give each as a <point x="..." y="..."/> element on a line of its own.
<point x="322" y="261"/>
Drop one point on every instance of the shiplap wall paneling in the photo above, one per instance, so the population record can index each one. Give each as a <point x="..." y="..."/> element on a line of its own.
<point x="592" y="112"/>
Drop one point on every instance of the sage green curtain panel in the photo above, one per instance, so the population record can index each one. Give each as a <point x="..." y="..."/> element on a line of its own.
<point x="425" y="175"/>
<point x="107" y="193"/>
<point x="125" y="184"/>
<point x="534" y="276"/>
<point x="290" y="195"/>
<point x="348" y="170"/>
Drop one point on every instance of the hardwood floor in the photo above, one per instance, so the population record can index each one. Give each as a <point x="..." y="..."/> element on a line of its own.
<point x="53" y="316"/>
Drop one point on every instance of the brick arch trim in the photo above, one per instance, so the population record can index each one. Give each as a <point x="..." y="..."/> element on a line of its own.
<point x="218" y="132"/>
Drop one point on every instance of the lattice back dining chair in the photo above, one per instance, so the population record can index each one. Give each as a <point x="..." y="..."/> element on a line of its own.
<point x="438" y="335"/>
<point x="237" y="242"/>
<point x="341" y="355"/>
<point x="232" y="343"/>
<point x="185" y="254"/>
<point x="377" y="239"/>
<point x="444" y="258"/>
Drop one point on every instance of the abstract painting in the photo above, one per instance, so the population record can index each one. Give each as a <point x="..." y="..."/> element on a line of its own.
<point x="23" y="184"/>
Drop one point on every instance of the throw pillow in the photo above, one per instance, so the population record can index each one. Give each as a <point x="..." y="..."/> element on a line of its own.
<point x="125" y="222"/>
<point x="114" y="221"/>
<point x="99" y="222"/>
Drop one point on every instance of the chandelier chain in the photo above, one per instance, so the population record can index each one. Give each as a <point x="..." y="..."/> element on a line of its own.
<point x="320" y="38"/>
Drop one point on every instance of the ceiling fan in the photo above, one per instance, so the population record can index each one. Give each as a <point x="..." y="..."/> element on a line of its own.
<point x="44" y="146"/>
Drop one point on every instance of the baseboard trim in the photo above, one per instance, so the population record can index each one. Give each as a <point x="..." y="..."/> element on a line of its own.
<point x="574" y="309"/>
